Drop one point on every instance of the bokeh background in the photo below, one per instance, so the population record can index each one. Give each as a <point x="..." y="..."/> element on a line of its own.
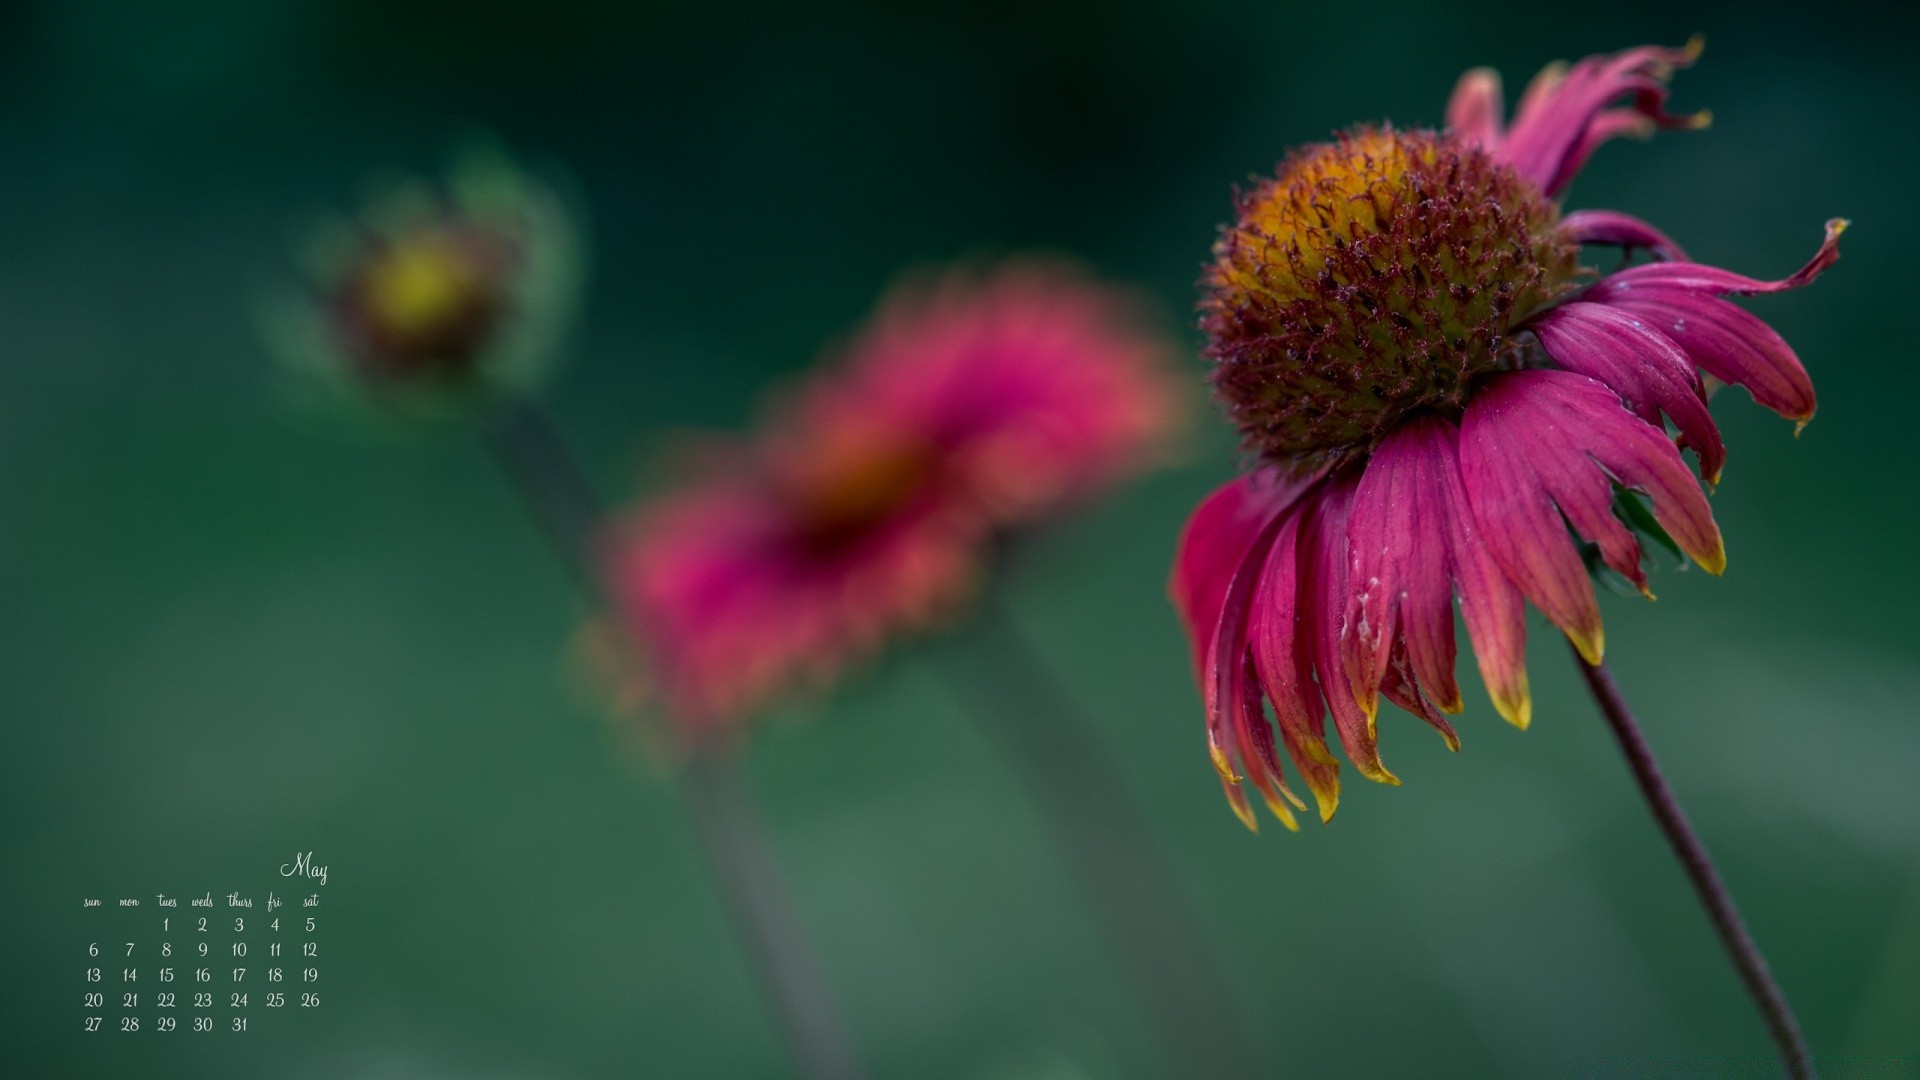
<point x="231" y="629"/>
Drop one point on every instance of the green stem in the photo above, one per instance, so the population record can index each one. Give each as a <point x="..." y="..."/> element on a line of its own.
<point x="1713" y="894"/>
<point x="1045" y="736"/>
<point x="559" y="496"/>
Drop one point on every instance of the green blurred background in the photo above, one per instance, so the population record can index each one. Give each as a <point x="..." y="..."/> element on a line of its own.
<point x="230" y="630"/>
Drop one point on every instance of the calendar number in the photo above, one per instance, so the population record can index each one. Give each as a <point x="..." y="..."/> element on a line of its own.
<point x="239" y="974"/>
<point x="239" y="948"/>
<point x="202" y="975"/>
<point x="310" y="949"/>
<point x="239" y="1001"/>
<point x="93" y="949"/>
<point x="94" y="1000"/>
<point x="310" y="974"/>
<point x="129" y="1023"/>
<point x="239" y="925"/>
<point x="166" y="974"/>
<point x="276" y="1001"/>
<point x="93" y="1023"/>
<point x="203" y="1001"/>
<point x="129" y="1001"/>
<point x="163" y="1001"/>
<point x="203" y="1023"/>
<point x="239" y="1023"/>
<point x="93" y="974"/>
<point x="165" y="1023"/>
<point x="166" y="948"/>
<point x="309" y="1001"/>
<point x="203" y="926"/>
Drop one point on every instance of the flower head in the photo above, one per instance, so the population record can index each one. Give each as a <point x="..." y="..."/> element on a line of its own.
<point x="435" y="297"/>
<point x="966" y="407"/>
<point x="1441" y="403"/>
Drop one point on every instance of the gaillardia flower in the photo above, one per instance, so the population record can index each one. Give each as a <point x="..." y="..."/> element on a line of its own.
<point x="1443" y="403"/>
<point x="968" y="406"/>
<point x="438" y="297"/>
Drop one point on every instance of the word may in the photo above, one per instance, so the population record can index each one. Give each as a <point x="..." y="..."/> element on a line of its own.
<point x="303" y="865"/>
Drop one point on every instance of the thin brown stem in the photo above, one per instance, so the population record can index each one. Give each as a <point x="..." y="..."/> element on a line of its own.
<point x="558" y="494"/>
<point x="1060" y="752"/>
<point x="1734" y="936"/>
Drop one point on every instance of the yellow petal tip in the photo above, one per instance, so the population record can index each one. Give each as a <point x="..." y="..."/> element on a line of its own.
<point x="1591" y="644"/>
<point x="1715" y="562"/>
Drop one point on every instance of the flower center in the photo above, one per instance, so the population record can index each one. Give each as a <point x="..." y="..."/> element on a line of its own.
<point x="854" y="479"/>
<point x="1374" y="276"/>
<point x="424" y="303"/>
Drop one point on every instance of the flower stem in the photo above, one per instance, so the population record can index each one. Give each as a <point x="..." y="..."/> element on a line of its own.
<point x="1699" y="867"/>
<point x="1046" y="737"/>
<point x="558" y="494"/>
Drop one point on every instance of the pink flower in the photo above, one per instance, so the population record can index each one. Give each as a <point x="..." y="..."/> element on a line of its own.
<point x="1444" y="404"/>
<point x="968" y="406"/>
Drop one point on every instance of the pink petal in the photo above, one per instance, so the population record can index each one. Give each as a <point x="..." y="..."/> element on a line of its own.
<point x="1490" y="603"/>
<point x="1211" y="546"/>
<point x="1514" y="513"/>
<point x="1473" y="112"/>
<point x="1224" y="675"/>
<point x="1696" y="277"/>
<point x="1536" y="441"/>
<point x="1619" y="230"/>
<point x="1649" y="372"/>
<point x="1565" y="113"/>
<point x="1323" y="591"/>
<point x="1284" y="664"/>
<point x="1400" y="585"/>
<point x="1729" y="343"/>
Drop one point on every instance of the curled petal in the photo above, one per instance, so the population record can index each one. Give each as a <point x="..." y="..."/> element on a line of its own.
<point x="1473" y="112"/>
<point x="1696" y="277"/>
<point x="1615" y="229"/>
<point x="1536" y="445"/>
<point x="1729" y="343"/>
<point x="1649" y="372"/>
<point x="1566" y="112"/>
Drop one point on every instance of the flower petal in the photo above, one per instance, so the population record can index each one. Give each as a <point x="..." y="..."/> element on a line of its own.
<point x="1224" y="675"/>
<point x="1284" y="663"/>
<point x="1697" y="277"/>
<point x="1565" y="115"/>
<point x="1211" y="546"/>
<point x="1534" y="441"/>
<point x="1729" y="343"/>
<point x="1323" y="590"/>
<point x="1411" y="522"/>
<point x="1473" y="112"/>
<point x="1619" y="230"/>
<point x="1649" y="372"/>
<point x="1400" y="584"/>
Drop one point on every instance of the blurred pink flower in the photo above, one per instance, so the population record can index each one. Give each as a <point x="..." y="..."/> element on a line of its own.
<point x="865" y="508"/>
<point x="1444" y="403"/>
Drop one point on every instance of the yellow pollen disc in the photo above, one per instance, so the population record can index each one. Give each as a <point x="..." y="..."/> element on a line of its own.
<point x="1373" y="276"/>
<point x="419" y="285"/>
